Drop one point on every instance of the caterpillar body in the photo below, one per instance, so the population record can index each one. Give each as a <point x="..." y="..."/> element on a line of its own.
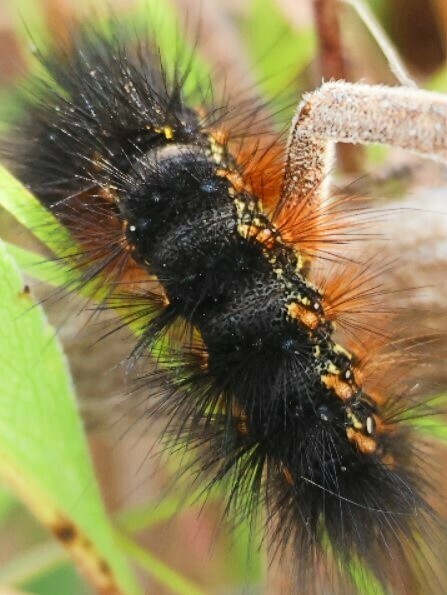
<point x="165" y="198"/>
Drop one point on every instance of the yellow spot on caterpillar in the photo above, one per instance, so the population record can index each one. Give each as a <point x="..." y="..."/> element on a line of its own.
<point x="340" y="388"/>
<point x="218" y="136"/>
<point x="389" y="460"/>
<point x="355" y="421"/>
<point x="365" y="444"/>
<point x="307" y="317"/>
<point x="262" y="235"/>
<point x="217" y="150"/>
<point x="301" y="262"/>
<point x="341" y="351"/>
<point x="167" y="131"/>
<point x="331" y="368"/>
<point x="279" y="273"/>
<point x="233" y="177"/>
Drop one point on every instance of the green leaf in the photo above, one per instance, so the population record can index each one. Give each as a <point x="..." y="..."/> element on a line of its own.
<point x="147" y="515"/>
<point x="432" y="427"/>
<point x="279" y="52"/>
<point x="29" y="23"/>
<point x="62" y="579"/>
<point x="54" y="272"/>
<point x="44" y="456"/>
<point x="37" y="561"/>
<point x="160" y="571"/>
<point x="28" y="211"/>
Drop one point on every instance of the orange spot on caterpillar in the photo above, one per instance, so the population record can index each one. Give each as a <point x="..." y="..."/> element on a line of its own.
<point x="220" y="136"/>
<point x="307" y="317"/>
<point x="358" y="375"/>
<point x="365" y="444"/>
<point x="240" y="419"/>
<point x="342" y="389"/>
<point x="241" y="426"/>
<point x="389" y="460"/>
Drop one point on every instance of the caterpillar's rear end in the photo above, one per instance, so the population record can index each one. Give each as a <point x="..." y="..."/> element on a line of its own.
<point x="158" y="191"/>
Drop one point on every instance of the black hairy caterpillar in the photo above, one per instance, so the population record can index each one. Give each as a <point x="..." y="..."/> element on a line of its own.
<point x="213" y="230"/>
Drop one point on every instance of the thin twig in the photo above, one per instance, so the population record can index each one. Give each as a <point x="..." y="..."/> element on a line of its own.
<point x="389" y="51"/>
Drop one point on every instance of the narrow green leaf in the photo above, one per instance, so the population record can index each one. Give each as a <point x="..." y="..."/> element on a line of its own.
<point x="162" y="573"/>
<point x="54" y="272"/>
<point x="28" y="211"/>
<point x="43" y="452"/>
<point x="147" y="515"/>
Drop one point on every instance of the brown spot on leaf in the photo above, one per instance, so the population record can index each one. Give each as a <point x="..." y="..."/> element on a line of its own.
<point x="65" y="532"/>
<point x="26" y="292"/>
<point x="104" y="568"/>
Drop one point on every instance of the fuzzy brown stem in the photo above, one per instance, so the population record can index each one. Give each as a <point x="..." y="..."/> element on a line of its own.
<point x="410" y="119"/>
